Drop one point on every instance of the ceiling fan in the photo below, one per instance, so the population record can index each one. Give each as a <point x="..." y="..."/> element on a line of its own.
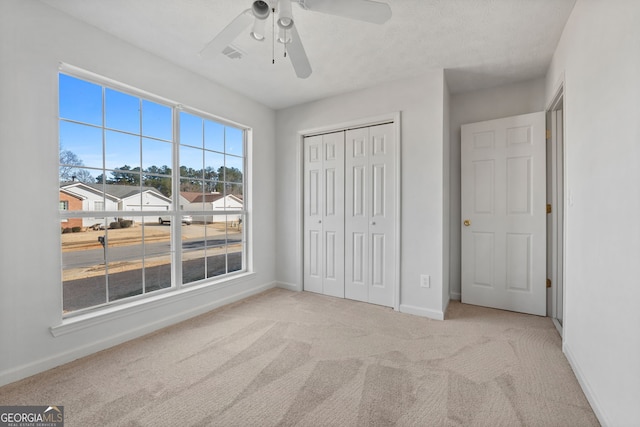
<point x="280" y="11"/>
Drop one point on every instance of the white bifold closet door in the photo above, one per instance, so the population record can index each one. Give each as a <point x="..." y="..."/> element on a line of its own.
<point x="349" y="214"/>
<point x="324" y="214"/>
<point x="370" y="223"/>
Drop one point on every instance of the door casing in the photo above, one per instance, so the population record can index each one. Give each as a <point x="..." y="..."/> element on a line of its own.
<point x="557" y="198"/>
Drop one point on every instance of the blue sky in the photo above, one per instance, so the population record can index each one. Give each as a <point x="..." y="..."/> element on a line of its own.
<point x="134" y="139"/>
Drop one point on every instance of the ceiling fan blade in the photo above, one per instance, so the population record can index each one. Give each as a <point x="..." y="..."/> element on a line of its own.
<point x="361" y="10"/>
<point x="298" y="56"/>
<point x="228" y="34"/>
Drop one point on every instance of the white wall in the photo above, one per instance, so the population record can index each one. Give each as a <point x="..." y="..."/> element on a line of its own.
<point x="33" y="39"/>
<point x="477" y="106"/>
<point x="420" y="101"/>
<point x="599" y="56"/>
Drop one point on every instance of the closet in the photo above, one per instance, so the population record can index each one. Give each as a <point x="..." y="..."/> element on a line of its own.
<point x="350" y="206"/>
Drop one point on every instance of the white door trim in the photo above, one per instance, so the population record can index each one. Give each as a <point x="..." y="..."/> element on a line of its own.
<point x="395" y="118"/>
<point x="558" y="101"/>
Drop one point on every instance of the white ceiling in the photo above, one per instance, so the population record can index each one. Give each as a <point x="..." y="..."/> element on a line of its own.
<point x="481" y="43"/>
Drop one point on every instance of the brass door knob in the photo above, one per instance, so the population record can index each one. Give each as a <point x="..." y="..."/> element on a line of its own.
<point x="467" y="222"/>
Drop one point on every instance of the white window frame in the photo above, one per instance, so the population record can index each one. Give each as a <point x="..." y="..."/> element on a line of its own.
<point x="177" y="287"/>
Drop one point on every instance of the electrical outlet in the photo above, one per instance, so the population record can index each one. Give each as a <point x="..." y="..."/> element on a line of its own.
<point x="425" y="281"/>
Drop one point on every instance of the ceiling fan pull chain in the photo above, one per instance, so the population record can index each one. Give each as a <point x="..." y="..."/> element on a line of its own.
<point x="273" y="36"/>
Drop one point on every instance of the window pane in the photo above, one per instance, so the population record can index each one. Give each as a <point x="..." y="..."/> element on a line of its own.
<point x="157" y="261"/>
<point x="215" y="162"/>
<point x="234" y="196"/>
<point x="234" y="141"/>
<point x="234" y="169"/>
<point x="122" y="111"/>
<point x="83" y="270"/>
<point x="213" y="136"/>
<point x="211" y="190"/>
<point x="190" y="162"/>
<point x="122" y="183"/>
<point x="122" y="151"/>
<point x="210" y="173"/>
<point x="193" y="186"/>
<point x="190" y="130"/>
<point x="156" y="156"/>
<point x="157" y="120"/>
<point x="125" y="279"/>
<point x="80" y="145"/>
<point x="200" y="249"/>
<point x="235" y="240"/>
<point x="80" y="100"/>
<point x="163" y="185"/>
<point x="124" y="258"/>
<point x="157" y="272"/>
<point x="157" y="238"/>
<point x="216" y="251"/>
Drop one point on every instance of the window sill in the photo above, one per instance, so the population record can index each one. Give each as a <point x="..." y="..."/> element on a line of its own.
<point x="88" y="320"/>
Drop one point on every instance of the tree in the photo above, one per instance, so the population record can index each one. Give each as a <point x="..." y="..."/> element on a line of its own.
<point x="232" y="178"/>
<point x="128" y="177"/>
<point x="70" y="168"/>
<point x="153" y="179"/>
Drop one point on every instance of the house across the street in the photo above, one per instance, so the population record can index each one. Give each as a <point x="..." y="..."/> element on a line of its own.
<point x="80" y="196"/>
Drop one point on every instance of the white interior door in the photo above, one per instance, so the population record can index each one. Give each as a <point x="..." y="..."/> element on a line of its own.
<point x="324" y="214"/>
<point x="370" y="214"/>
<point x="504" y="214"/>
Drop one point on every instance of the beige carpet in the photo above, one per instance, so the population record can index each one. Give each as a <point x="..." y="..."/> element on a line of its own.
<point x="286" y="358"/>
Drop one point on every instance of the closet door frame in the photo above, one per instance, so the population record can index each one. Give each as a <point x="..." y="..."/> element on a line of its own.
<point x="394" y="118"/>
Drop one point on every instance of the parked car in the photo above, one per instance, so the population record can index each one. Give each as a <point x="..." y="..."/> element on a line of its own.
<point x="186" y="219"/>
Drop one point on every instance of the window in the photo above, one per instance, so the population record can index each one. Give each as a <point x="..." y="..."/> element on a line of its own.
<point x="156" y="209"/>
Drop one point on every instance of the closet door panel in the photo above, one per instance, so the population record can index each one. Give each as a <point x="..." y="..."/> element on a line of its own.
<point x="333" y="214"/>
<point x="313" y="207"/>
<point x="382" y="221"/>
<point x="357" y="213"/>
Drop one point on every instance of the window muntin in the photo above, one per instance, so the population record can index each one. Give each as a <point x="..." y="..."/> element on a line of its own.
<point x="117" y="158"/>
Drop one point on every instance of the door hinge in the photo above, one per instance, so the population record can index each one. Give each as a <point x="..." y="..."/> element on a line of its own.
<point x="548" y="283"/>
<point x="548" y="208"/>
<point x="548" y="134"/>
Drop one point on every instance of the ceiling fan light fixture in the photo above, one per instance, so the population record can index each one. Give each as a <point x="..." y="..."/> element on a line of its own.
<point x="261" y="11"/>
<point x="283" y="36"/>
<point x="285" y="17"/>
<point x="257" y="33"/>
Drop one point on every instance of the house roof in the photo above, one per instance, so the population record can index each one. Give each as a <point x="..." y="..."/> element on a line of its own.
<point x="72" y="194"/>
<point x="197" y="197"/>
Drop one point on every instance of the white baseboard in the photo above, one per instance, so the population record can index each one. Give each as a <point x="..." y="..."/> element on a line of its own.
<point x="424" y="312"/>
<point x="455" y="296"/>
<point x="289" y="286"/>
<point x="586" y="388"/>
<point x="24" y="371"/>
